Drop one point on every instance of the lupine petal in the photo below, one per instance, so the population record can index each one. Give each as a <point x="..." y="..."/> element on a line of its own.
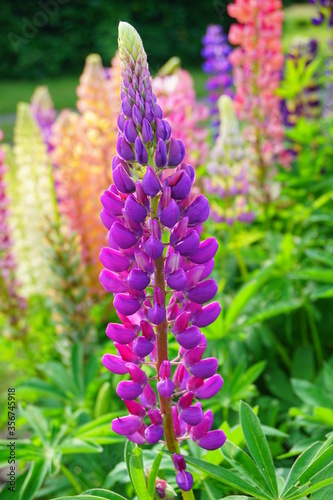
<point x="203" y="292"/>
<point x="114" y="260"/>
<point x="208" y="315"/>
<point x="213" y="440"/>
<point x="126" y="304"/>
<point x="184" y="480"/>
<point x="205" y="368"/>
<point x="127" y="389"/>
<point x="126" y="426"/>
<point x="210" y="387"/>
<point x="114" y="364"/>
<point x="119" y="333"/>
<point x="153" y="433"/>
<point x="177" y="280"/>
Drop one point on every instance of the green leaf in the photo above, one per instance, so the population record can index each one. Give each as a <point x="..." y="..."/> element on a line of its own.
<point x="137" y="473"/>
<point x="246" y="379"/>
<point x="315" y="487"/>
<point x="236" y="497"/>
<point x="75" y="445"/>
<point x="317" y="465"/>
<point x="93" y="427"/>
<point x="258" y="446"/>
<point x="316" y="274"/>
<point x="278" y="308"/>
<point x="34" y="480"/>
<point x="38" y="423"/>
<point x="108" y="495"/>
<point x="225" y="476"/>
<point x="245" y="294"/>
<point x="299" y="465"/>
<point x="77" y="367"/>
<point x="311" y="394"/>
<point x="320" y="255"/>
<point x="153" y="474"/>
<point x="242" y="462"/>
<point x="85" y="496"/>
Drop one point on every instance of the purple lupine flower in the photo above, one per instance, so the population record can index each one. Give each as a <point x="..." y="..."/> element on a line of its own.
<point x="305" y="104"/>
<point x="324" y="12"/>
<point x="158" y="271"/>
<point x="215" y="52"/>
<point x="228" y="181"/>
<point x="43" y="111"/>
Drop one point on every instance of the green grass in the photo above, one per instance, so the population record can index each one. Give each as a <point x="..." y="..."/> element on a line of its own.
<point x="63" y="91"/>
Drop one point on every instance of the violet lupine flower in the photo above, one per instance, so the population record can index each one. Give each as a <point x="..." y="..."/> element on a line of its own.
<point x="158" y="272"/>
<point x="228" y="169"/>
<point x="43" y="111"/>
<point x="215" y="51"/>
<point x="306" y="104"/>
<point x="324" y="12"/>
<point x="174" y="89"/>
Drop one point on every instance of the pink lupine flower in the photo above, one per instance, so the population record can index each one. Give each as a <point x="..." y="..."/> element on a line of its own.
<point x="257" y="63"/>
<point x="174" y="89"/>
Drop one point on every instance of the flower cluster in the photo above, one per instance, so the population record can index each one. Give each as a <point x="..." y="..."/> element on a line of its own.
<point x="325" y="12"/>
<point x="31" y="189"/>
<point x="81" y="176"/>
<point x="99" y="103"/>
<point x="215" y="52"/>
<point x="43" y="111"/>
<point x="69" y="294"/>
<point x="83" y="147"/>
<point x="158" y="271"/>
<point x="174" y="89"/>
<point x="228" y="170"/>
<point x="257" y="66"/>
<point x="11" y="303"/>
<point x="305" y="104"/>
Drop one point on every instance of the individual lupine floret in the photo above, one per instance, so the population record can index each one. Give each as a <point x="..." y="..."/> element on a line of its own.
<point x="228" y="181"/>
<point x="31" y="189"/>
<point x="43" y="111"/>
<point x="11" y="302"/>
<point x="174" y="89"/>
<point x="215" y="52"/>
<point x="257" y="64"/>
<point x="158" y="271"/>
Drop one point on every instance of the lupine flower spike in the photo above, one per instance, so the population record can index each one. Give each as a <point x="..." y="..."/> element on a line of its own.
<point x="306" y="103"/>
<point x="157" y="270"/>
<point x="31" y="189"/>
<point x="325" y="15"/>
<point x="228" y="170"/>
<point x="257" y="66"/>
<point x="11" y="303"/>
<point x="43" y="111"/>
<point x="174" y="89"/>
<point x="215" y="52"/>
<point x="83" y="147"/>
